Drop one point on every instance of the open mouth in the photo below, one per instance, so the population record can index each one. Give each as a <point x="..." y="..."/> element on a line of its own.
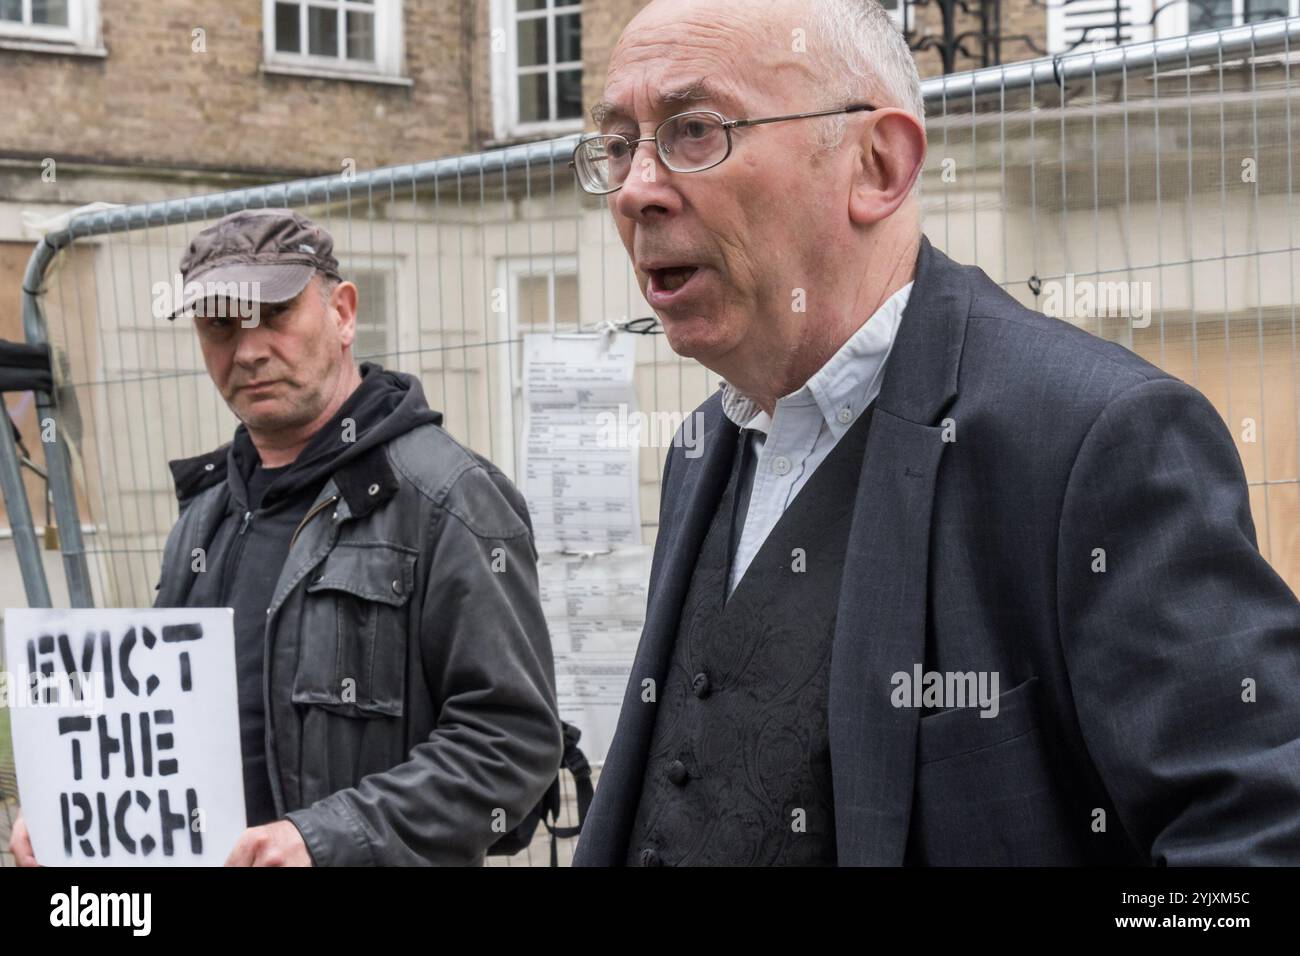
<point x="670" y="280"/>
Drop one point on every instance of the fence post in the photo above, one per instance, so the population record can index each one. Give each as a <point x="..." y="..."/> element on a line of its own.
<point x="20" y="520"/>
<point x="57" y="461"/>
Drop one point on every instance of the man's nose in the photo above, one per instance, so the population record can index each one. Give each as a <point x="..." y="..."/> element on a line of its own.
<point x="252" y="345"/>
<point x="645" y="187"/>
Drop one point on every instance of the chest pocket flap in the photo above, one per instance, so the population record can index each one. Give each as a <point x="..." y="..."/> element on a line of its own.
<point x="352" y="653"/>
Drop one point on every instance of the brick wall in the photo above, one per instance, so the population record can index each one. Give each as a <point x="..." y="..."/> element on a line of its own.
<point x="152" y="101"/>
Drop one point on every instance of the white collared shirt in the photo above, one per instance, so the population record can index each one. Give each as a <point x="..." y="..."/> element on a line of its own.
<point x="788" y="445"/>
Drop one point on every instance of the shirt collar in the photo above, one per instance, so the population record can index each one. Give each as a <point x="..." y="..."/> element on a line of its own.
<point x="842" y="387"/>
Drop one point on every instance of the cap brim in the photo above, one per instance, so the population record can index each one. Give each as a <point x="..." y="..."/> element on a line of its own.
<point x="272" y="284"/>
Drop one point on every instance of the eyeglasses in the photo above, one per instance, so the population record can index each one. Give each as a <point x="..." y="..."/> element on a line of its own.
<point x="687" y="143"/>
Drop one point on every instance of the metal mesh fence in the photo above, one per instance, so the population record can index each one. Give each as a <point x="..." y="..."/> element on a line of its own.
<point x="1156" y="174"/>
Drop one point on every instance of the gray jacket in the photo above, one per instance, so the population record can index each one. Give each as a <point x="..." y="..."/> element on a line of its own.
<point x="409" y="687"/>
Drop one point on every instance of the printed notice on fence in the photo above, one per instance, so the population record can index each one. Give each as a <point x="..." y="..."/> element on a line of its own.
<point x="126" y="734"/>
<point x="595" y="607"/>
<point x="578" y="469"/>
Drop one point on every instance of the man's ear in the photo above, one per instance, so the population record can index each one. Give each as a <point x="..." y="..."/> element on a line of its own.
<point x="344" y="303"/>
<point x="891" y="154"/>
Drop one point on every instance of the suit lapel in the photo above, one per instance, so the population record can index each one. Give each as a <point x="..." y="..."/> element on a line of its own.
<point x="881" y="624"/>
<point x="696" y="487"/>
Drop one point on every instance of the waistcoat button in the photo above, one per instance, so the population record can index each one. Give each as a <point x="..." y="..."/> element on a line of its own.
<point x="677" y="773"/>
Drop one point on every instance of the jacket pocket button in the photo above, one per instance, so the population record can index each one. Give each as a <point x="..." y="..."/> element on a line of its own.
<point x="397" y="587"/>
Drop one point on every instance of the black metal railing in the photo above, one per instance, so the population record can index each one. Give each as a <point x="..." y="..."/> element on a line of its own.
<point x="971" y="32"/>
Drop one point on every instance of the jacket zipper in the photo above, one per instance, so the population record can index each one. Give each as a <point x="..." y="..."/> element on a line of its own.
<point x="237" y="550"/>
<point x="311" y="514"/>
<point x="272" y="760"/>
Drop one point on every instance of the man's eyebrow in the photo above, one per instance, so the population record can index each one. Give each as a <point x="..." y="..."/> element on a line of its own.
<point x="698" y="90"/>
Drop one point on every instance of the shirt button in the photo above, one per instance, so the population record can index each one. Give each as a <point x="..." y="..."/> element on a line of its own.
<point x="781" y="465"/>
<point x="650" y="858"/>
<point x="845" y="415"/>
<point x="209" y="466"/>
<point x="677" y="773"/>
<point x="700" y="684"/>
<point x="373" y="489"/>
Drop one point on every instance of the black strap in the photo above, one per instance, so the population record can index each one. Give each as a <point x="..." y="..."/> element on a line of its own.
<point x="575" y="761"/>
<point x="25" y="368"/>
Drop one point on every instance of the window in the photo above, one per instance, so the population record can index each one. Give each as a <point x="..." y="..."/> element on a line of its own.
<point x="374" y="341"/>
<point x="1217" y="14"/>
<point x="1069" y="23"/>
<point x="537" y="66"/>
<point x="351" y="38"/>
<point x="1079" y="26"/>
<point x="70" y="26"/>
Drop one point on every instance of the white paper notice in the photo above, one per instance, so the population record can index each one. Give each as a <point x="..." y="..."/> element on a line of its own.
<point x="579" y="479"/>
<point x="595" y="608"/>
<point x="126" y="734"/>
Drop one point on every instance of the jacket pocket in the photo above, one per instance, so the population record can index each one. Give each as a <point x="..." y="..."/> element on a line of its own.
<point x="951" y="733"/>
<point x="352" y="656"/>
<point x="987" y="793"/>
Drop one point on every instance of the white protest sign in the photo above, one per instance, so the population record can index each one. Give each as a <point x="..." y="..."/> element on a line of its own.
<point x="126" y="734"/>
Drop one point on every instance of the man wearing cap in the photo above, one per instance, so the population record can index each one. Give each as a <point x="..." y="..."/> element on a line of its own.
<point x="395" y="679"/>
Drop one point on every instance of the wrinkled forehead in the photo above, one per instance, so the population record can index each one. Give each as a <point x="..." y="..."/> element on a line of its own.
<point x="675" y="57"/>
<point x="621" y="104"/>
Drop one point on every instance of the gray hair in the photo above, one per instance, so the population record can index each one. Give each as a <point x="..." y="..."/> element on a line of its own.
<point x="868" y="61"/>
<point x="326" y="286"/>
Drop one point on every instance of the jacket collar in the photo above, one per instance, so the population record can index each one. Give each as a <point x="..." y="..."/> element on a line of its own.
<point x="193" y="476"/>
<point x="365" y="482"/>
<point x="921" y="377"/>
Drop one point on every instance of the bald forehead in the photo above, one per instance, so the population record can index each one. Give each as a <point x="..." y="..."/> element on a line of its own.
<point x="704" y="53"/>
<point x="698" y="93"/>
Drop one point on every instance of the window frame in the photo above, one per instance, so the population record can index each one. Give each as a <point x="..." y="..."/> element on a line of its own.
<point x="81" y="35"/>
<point x="1171" y="20"/>
<point x="1180" y="19"/>
<point x="384" y="275"/>
<point x="389" y="44"/>
<point x="504" y="16"/>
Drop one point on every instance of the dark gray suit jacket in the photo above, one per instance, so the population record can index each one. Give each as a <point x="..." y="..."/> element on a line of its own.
<point x="1125" y="733"/>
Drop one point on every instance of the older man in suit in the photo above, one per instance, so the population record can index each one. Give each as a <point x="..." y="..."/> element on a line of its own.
<point x="951" y="582"/>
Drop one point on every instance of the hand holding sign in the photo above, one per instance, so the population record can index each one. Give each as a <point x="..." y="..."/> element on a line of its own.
<point x="126" y="734"/>
<point x="273" y="844"/>
<point x="20" y="844"/>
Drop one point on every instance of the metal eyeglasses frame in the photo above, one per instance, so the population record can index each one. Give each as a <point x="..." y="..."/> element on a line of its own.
<point x="727" y="127"/>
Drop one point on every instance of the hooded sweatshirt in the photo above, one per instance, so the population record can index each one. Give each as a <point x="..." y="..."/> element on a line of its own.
<point x="251" y="545"/>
